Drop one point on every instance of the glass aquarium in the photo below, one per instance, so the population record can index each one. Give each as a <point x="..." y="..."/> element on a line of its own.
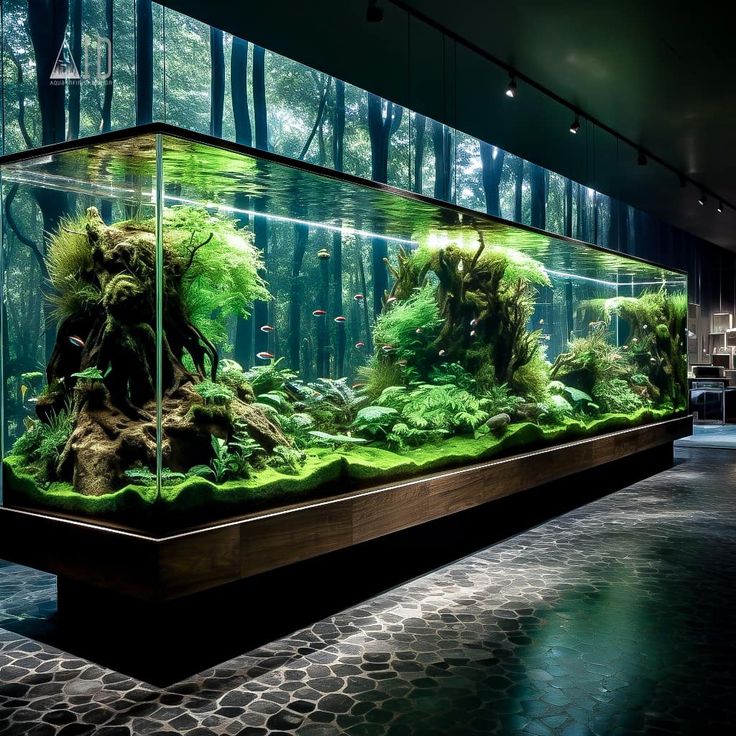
<point x="195" y="330"/>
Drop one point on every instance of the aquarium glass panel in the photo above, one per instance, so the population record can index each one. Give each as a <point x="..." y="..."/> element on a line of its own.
<point x="208" y="331"/>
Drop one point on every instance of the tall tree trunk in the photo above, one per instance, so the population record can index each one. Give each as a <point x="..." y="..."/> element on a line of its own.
<point x="259" y="97"/>
<point x="382" y="124"/>
<point x="583" y="214"/>
<point x="420" y="127"/>
<point x="442" y="142"/>
<point x="537" y="185"/>
<point x="260" y="224"/>
<point x="296" y="298"/>
<point x="47" y="21"/>
<point x="492" y="168"/>
<point x="243" y="349"/>
<point x="76" y="49"/>
<point x="217" y="81"/>
<point x="567" y="225"/>
<point x="239" y="88"/>
<point x="106" y="116"/>
<point x="596" y="219"/>
<point x="518" y="172"/>
<point x="143" y="62"/>
<point x="618" y="226"/>
<point x="338" y="127"/>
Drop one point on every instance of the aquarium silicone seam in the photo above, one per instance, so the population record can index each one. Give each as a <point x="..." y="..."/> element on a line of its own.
<point x="2" y="346"/>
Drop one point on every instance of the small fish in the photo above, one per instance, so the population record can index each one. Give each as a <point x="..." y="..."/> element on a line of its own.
<point x="23" y="391"/>
<point x="401" y="362"/>
<point x="419" y="330"/>
<point x="645" y="327"/>
<point x="323" y="253"/>
<point x="358" y="385"/>
<point x="460" y="266"/>
<point x="391" y="300"/>
<point x="263" y="355"/>
<point x="358" y="297"/>
<point x="441" y="352"/>
<point x="340" y="319"/>
<point x="360" y="344"/>
<point x="319" y="312"/>
<point x="473" y="322"/>
<point x="472" y="333"/>
<point x="634" y="339"/>
<point x="541" y="321"/>
<point x="266" y="328"/>
<point x="33" y="400"/>
<point x="652" y="360"/>
<point x="387" y="348"/>
<point x="76" y="341"/>
<point x="545" y="337"/>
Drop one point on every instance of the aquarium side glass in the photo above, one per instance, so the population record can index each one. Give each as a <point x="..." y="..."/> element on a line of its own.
<point x="75" y="362"/>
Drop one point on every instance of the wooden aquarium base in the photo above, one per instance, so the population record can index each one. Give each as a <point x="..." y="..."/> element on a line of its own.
<point x="160" y="569"/>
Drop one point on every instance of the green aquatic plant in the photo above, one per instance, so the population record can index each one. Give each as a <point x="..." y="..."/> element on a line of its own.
<point x="288" y="460"/>
<point x="375" y="422"/>
<point x="144" y="476"/>
<point x="452" y="373"/>
<point x="214" y="393"/>
<point x="220" y="267"/>
<point x="334" y="440"/>
<point x="42" y="444"/>
<point x="273" y="376"/>
<point x="555" y="409"/>
<point x="615" y="395"/>
<point x="499" y="399"/>
<point x="532" y="378"/>
<point x="91" y="374"/>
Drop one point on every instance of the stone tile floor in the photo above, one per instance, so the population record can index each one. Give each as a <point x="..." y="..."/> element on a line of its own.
<point x="616" y="618"/>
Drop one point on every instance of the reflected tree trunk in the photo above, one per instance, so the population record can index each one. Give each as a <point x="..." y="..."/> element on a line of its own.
<point x="442" y="143"/>
<point x="567" y="224"/>
<point x="106" y="116"/>
<point x="239" y="89"/>
<point x="420" y="127"/>
<point x="144" y="62"/>
<point x="518" y="174"/>
<point x="538" y="188"/>
<point x="296" y="297"/>
<point x="76" y="49"/>
<point x="338" y="158"/>
<point x="217" y="81"/>
<point x="491" y="170"/>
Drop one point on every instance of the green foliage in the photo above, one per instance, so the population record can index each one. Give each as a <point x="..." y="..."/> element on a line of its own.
<point x="532" y="378"/>
<point x="231" y="374"/>
<point x="615" y="395"/>
<point x="287" y="460"/>
<point x="453" y="373"/>
<point x="500" y="400"/>
<point x="268" y="378"/>
<point x="42" y="443"/>
<point x="555" y="409"/>
<point x="230" y="459"/>
<point x="214" y="393"/>
<point x="32" y="377"/>
<point x="437" y="407"/>
<point x="223" y="278"/>
<point x="592" y="357"/>
<point x="69" y="262"/>
<point x="375" y="422"/>
<point x="334" y="440"/>
<point x="91" y="374"/>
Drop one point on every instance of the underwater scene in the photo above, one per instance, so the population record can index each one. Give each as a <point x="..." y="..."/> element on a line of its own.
<point x="193" y="331"/>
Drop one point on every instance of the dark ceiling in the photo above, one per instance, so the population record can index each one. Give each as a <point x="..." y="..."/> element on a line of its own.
<point x="660" y="73"/>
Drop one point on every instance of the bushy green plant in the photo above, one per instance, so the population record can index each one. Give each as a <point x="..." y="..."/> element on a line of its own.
<point x="229" y="459"/>
<point x="287" y="460"/>
<point x="375" y="422"/>
<point x="453" y="373"/>
<point x="271" y="377"/>
<point x="615" y="395"/>
<point x="214" y="393"/>
<point x="531" y="379"/>
<point x="555" y="409"/>
<point x="500" y="399"/>
<point x="42" y="443"/>
<point x="222" y="278"/>
<point x="231" y="374"/>
<point x="145" y="477"/>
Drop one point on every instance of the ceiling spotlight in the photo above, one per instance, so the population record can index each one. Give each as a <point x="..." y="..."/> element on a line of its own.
<point x="575" y="125"/>
<point x="641" y="159"/>
<point x="683" y="181"/>
<point x="702" y="199"/>
<point x="511" y="89"/>
<point x="373" y="14"/>
<point x="720" y="207"/>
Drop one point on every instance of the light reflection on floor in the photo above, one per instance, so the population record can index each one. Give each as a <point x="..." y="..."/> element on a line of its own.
<point x="616" y="619"/>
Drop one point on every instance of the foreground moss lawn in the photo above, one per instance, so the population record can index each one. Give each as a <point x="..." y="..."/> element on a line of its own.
<point x="353" y="466"/>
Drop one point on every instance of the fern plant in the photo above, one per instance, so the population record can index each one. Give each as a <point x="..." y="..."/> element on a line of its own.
<point x="214" y="393"/>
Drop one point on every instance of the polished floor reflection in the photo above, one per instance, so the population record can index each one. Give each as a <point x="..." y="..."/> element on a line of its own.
<point x="616" y="618"/>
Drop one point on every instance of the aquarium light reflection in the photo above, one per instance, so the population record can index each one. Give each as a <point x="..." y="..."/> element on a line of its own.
<point x="344" y="229"/>
<point x="611" y="284"/>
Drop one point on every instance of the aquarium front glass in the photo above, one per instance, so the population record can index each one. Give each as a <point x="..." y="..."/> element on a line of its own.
<point x="193" y="331"/>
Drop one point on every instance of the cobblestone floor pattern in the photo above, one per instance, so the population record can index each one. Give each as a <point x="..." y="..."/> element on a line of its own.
<point x="616" y="618"/>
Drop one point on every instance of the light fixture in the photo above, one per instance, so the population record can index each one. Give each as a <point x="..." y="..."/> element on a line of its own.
<point x="511" y="89"/>
<point x="683" y="181"/>
<point x="373" y="14"/>
<point x="702" y="199"/>
<point x="575" y="125"/>
<point x="720" y="207"/>
<point x="641" y="159"/>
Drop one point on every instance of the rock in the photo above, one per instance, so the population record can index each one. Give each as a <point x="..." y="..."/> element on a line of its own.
<point x="499" y="422"/>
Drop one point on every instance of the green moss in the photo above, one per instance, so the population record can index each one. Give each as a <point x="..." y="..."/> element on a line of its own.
<point x="323" y="468"/>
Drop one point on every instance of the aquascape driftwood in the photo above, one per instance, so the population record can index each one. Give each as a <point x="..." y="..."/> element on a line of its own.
<point x="103" y="367"/>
